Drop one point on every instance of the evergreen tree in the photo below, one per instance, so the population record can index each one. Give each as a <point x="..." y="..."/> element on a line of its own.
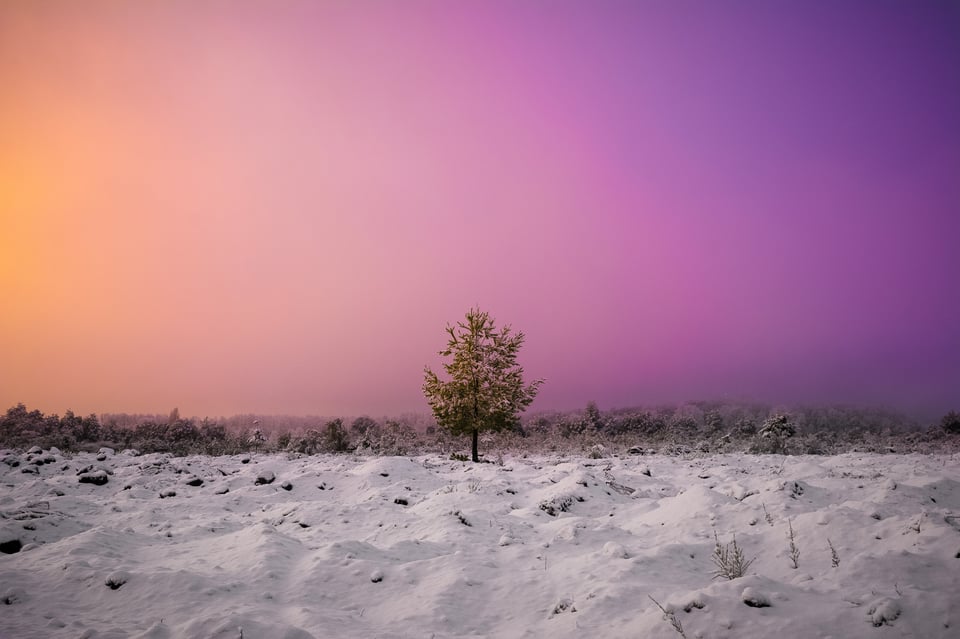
<point x="486" y="389"/>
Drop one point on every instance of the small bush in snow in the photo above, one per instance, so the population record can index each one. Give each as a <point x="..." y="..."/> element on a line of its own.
<point x="916" y="527"/>
<point x="335" y="438"/>
<point x="767" y="515"/>
<point x="834" y="557"/>
<point x="117" y="579"/>
<point x="564" y="605"/>
<point x="671" y="617"/>
<point x="794" y="550"/>
<point x="883" y="611"/>
<point x="729" y="559"/>
<point x="951" y="422"/>
<point x="559" y="504"/>
<point x="773" y="435"/>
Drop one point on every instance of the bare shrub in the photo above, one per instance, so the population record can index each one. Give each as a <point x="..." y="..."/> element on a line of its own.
<point x="767" y="515"/>
<point x="834" y="557"/>
<point x="671" y="617"/>
<point x="794" y="550"/>
<point x="729" y="559"/>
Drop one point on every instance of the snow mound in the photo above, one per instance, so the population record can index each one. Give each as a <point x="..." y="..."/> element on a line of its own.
<point x="883" y="611"/>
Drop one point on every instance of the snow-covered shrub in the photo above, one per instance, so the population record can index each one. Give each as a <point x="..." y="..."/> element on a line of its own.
<point x="309" y="443"/>
<point x="364" y="425"/>
<point x="335" y="439"/>
<point x="559" y="504"/>
<point x="834" y="556"/>
<point x="597" y="451"/>
<point x="117" y="579"/>
<point x="729" y="559"/>
<point x="883" y="611"/>
<point x="773" y="435"/>
<point x="951" y="422"/>
<point x="792" y="546"/>
<point x="564" y="605"/>
<point x="397" y="437"/>
<point x="671" y="617"/>
<point x="613" y="549"/>
<point x="257" y="438"/>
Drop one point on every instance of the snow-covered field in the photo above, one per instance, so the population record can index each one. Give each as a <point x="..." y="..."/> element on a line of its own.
<point x="341" y="546"/>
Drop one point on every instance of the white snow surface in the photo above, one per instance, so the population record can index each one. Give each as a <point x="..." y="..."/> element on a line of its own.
<point x="397" y="547"/>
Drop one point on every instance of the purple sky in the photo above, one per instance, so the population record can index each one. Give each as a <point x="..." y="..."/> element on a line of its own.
<point x="277" y="207"/>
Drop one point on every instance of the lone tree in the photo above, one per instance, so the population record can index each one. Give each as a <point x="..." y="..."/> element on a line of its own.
<point x="486" y="389"/>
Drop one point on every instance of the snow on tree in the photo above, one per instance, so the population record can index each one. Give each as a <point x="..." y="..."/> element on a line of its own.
<point x="486" y="389"/>
<point x="776" y="430"/>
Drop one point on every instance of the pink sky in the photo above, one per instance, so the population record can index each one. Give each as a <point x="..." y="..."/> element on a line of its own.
<point x="276" y="207"/>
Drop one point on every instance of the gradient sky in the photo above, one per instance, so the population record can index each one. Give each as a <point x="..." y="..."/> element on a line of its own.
<point x="276" y="207"/>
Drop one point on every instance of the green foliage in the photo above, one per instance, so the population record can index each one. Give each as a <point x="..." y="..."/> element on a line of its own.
<point x="486" y="389"/>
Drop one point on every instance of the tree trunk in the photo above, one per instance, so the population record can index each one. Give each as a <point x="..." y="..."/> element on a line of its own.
<point x="476" y="457"/>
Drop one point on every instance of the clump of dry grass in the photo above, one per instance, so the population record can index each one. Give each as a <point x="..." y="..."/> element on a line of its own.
<point x="729" y="559"/>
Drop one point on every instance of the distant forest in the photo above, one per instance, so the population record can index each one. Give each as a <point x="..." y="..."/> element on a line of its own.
<point x="691" y="428"/>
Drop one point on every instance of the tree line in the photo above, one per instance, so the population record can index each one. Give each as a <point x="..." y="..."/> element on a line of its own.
<point x="696" y="427"/>
<point x="483" y="396"/>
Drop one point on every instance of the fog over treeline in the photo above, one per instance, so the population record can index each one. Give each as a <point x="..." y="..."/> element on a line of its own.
<point x="693" y="427"/>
